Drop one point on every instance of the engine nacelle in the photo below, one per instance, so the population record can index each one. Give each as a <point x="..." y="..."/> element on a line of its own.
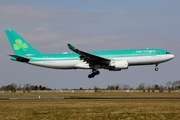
<point x="120" y="64"/>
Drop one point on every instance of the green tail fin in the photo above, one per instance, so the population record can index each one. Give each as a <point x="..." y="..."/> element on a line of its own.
<point x="19" y="45"/>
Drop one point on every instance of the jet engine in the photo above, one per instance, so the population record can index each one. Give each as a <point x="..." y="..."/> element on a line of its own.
<point x="120" y="64"/>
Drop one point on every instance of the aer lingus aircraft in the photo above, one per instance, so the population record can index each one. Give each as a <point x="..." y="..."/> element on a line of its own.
<point x="113" y="60"/>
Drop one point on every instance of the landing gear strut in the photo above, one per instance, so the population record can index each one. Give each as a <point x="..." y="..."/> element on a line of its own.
<point x="93" y="73"/>
<point x="156" y="69"/>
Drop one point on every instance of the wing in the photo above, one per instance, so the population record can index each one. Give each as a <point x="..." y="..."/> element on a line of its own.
<point x="90" y="58"/>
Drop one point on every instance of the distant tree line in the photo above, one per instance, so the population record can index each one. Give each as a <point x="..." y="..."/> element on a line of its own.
<point x="143" y="86"/>
<point x="27" y="87"/>
<point x="170" y="86"/>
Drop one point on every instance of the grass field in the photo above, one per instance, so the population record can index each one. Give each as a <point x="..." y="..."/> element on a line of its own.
<point x="90" y="110"/>
<point x="89" y="95"/>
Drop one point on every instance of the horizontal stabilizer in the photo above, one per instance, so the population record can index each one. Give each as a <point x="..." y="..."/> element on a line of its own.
<point x="19" y="58"/>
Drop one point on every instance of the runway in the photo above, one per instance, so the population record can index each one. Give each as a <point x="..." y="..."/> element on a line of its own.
<point x="88" y="98"/>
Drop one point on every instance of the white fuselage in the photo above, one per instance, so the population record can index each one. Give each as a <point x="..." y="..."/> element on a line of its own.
<point x="79" y="64"/>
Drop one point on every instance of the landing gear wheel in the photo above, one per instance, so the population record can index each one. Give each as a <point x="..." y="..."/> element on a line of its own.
<point x="93" y="73"/>
<point x="156" y="69"/>
<point x="97" y="72"/>
<point x="90" y="75"/>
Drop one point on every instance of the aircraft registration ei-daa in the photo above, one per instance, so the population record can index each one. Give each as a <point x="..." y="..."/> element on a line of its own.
<point x="113" y="60"/>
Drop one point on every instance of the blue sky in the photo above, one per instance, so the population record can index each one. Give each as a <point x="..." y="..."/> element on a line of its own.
<point x="90" y="25"/>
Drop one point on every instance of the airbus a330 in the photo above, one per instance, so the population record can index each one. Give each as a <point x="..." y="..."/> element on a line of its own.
<point x="113" y="60"/>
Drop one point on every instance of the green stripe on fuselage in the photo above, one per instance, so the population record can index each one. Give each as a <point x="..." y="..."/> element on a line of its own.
<point x="105" y="54"/>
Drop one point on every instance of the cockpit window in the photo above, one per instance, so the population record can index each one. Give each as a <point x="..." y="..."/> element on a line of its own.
<point x="167" y="52"/>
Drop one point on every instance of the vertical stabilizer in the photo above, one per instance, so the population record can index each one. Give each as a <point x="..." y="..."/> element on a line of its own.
<point x="19" y="45"/>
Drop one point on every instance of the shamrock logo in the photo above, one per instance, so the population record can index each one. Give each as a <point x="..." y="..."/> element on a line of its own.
<point x="19" y="44"/>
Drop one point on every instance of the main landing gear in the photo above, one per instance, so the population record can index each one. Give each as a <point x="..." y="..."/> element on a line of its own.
<point x="156" y="69"/>
<point x="93" y="73"/>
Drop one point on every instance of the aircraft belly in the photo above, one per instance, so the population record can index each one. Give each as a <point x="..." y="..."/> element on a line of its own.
<point x="141" y="60"/>
<point x="82" y="65"/>
<point x="70" y="64"/>
<point x="147" y="60"/>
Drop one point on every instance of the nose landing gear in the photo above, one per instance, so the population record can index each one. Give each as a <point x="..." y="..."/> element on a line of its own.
<point x="156" y="69"/>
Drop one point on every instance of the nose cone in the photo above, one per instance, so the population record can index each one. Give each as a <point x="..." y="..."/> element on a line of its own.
<point x="172" y="56"/>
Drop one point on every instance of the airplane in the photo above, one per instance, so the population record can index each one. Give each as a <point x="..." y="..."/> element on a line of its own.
<point x="112" y="60"/>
